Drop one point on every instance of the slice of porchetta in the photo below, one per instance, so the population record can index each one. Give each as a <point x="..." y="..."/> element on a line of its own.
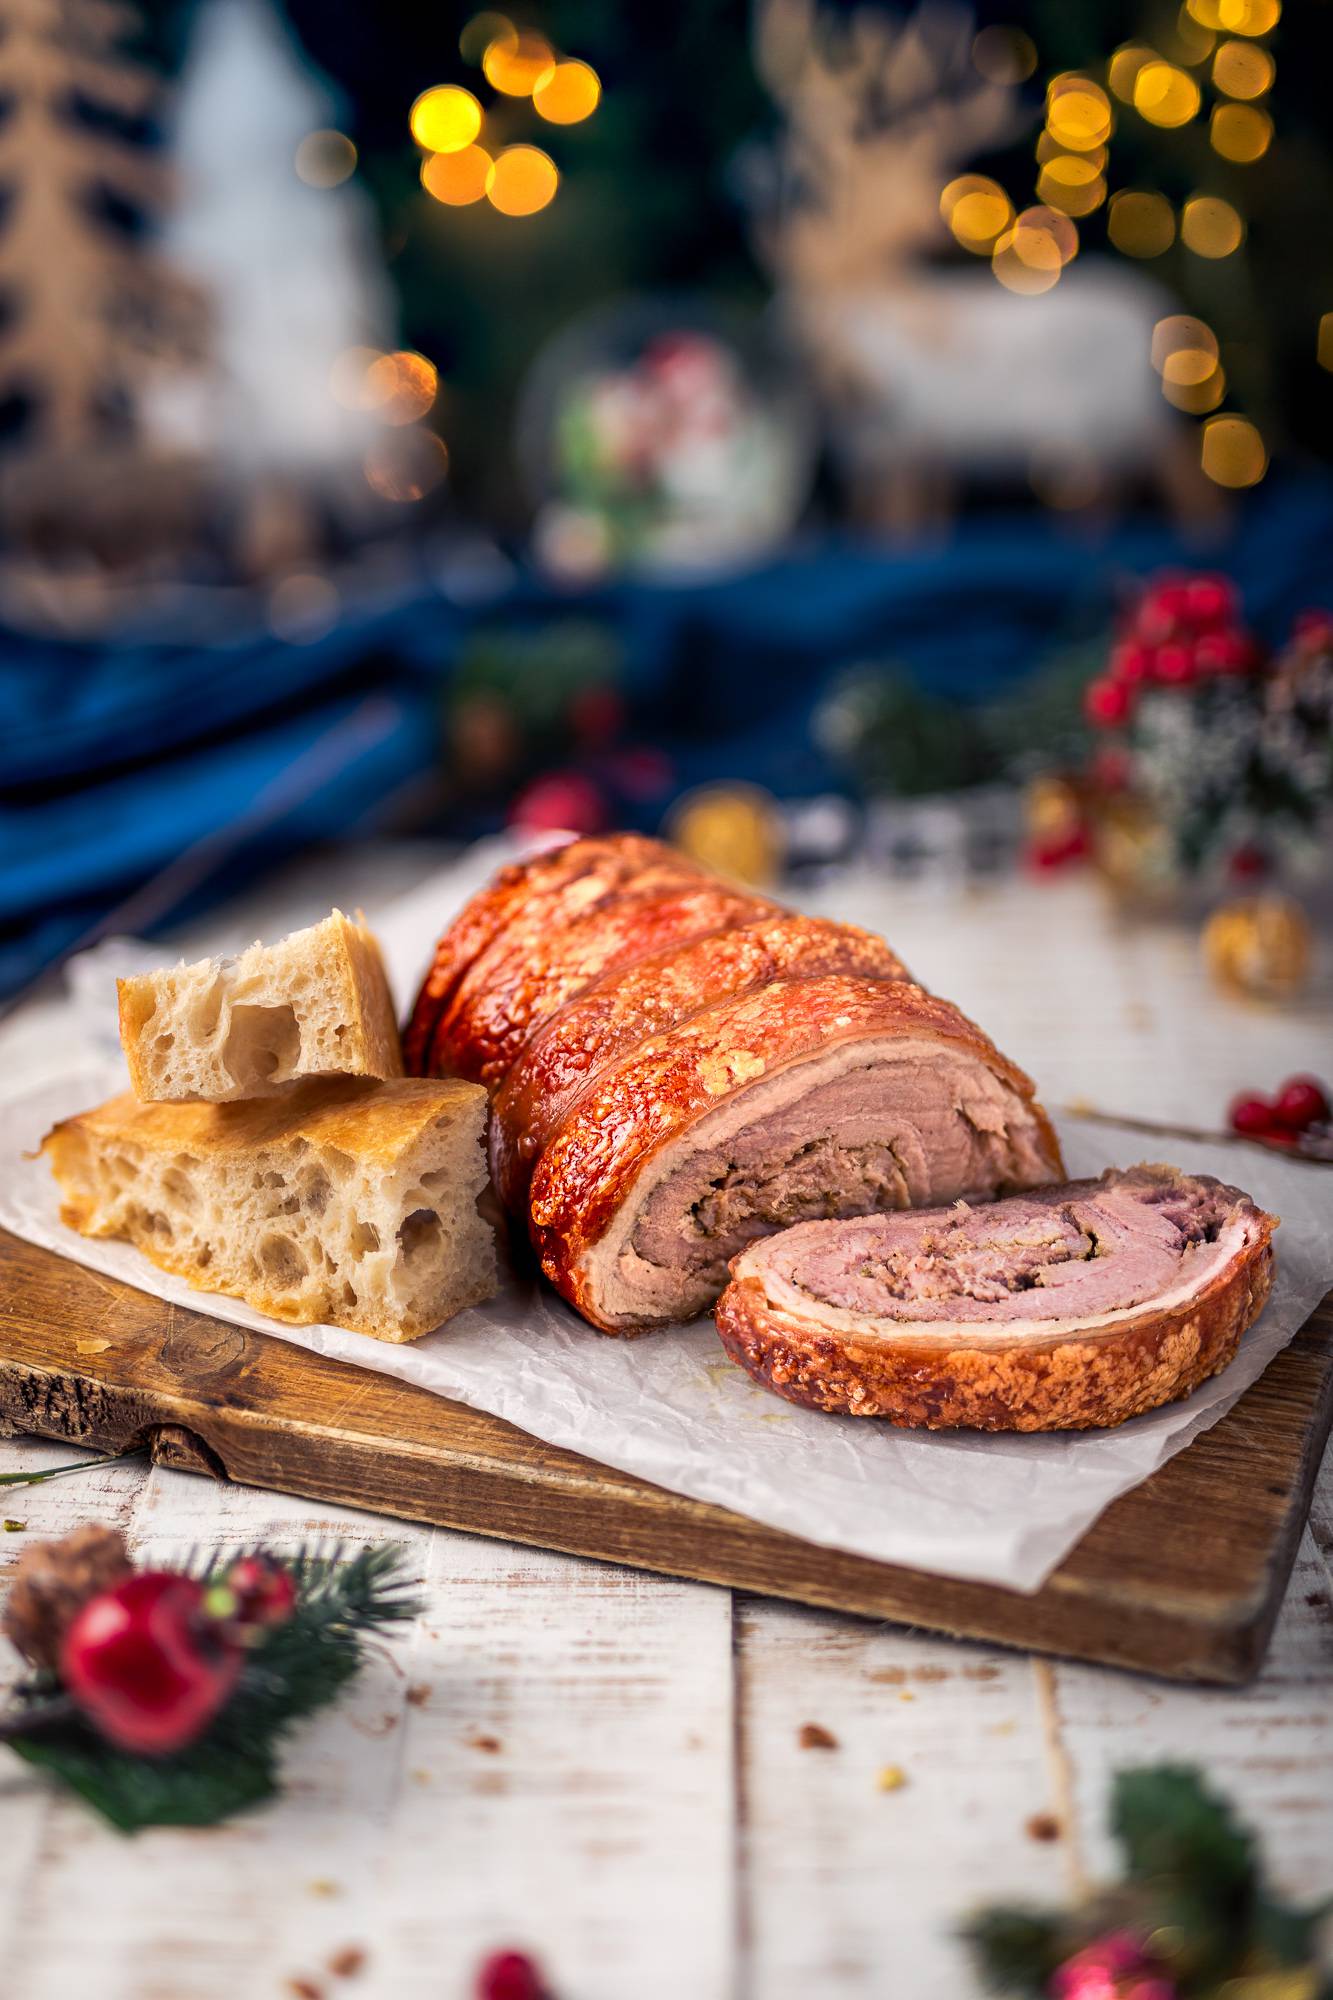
<point x="631" y="1002"/>
<point x="831" y="1096"/>
<point x="541" y="892"/>
<point x="1065" y="1308"/>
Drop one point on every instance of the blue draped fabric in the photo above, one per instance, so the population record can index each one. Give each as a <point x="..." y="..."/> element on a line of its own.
<point x="118" y="760"/>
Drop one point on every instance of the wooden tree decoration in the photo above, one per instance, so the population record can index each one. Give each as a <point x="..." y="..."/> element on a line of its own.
<point x="91" y="309"/>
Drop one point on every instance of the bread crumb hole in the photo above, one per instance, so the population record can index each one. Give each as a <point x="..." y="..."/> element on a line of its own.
<point x="281" y="1261"/>
<point x="364" y="1238"/>
<point x="180" y="1187"/>
<point x="420" y="1233"/>
<point x="263" y="1045"/>
<point x="315" y="1190"/>
<point x="163" y="1043"/>
<point x="339" y="1164"/>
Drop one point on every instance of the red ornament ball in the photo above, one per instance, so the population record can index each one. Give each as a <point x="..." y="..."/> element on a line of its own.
<point x="264" y="1590"/>
<point x="561" y="802"/>
<point x="1106" y="702"/>
<point x="1301" y="1102"/>
<point x="146" y="1665"/>
<point x="1162" y="612"/>
<point x="510" y="1975"/>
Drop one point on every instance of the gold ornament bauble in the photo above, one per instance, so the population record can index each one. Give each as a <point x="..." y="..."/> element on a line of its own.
<point x="734" y="830"/>
<point x="1259" y="945"/>
<point x="1051" y="809"/>
<point x="1133" y="849"/>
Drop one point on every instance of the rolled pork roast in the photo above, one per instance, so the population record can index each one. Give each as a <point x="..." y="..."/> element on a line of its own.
<point x="679" y="1068"/>
<point x="1066" y="1308"/>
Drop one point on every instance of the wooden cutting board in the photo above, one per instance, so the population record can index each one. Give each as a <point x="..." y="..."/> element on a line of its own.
<point x="1183" y="1576"/>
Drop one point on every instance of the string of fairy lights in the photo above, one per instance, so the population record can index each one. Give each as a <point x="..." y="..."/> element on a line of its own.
<point x="449" y="124"/>
<point x="1217" y="65"/>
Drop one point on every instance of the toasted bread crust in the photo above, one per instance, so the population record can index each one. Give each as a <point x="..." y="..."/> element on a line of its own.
<point x="1081" y="1383"/>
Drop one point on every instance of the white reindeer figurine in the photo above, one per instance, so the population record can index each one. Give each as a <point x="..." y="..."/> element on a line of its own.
<point x="930" y="371"/>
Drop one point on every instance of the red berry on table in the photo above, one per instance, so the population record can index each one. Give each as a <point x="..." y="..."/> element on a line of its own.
<point x="1106" y="702"/>
<point x="1251" y="1116"/>
<point x="264" y="1591"/>
<point x="1301" y="1102"/>
<point x="510" y="1975"/>
<point x="145" y="1664"/>
<point x="1174" y="664"/>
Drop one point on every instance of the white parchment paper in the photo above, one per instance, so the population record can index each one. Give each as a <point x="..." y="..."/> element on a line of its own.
<point x="669" y="1406"/>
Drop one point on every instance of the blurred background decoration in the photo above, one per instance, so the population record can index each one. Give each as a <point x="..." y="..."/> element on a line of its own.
<point x="818" y="429"/>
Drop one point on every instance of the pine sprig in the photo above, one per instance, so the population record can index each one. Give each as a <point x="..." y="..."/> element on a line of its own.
<point x="298" y="1667"/>
<point x="1193" y="1875"/>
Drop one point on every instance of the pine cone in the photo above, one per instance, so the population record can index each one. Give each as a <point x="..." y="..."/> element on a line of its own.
<point x="53" y="1581"/>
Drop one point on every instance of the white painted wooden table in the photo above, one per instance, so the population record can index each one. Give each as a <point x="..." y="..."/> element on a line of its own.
<point x="606" y="1767"/>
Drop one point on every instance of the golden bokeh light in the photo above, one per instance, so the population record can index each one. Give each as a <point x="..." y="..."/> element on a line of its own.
<point x="514" y="63"/>
<point x="445" y="118"/>
<point x="1210" y="227"/>
<point x="1072" y="182"/>
<point x="977" y="210"/>
<point x="1051" y="149"/>
<point x="1249" y="17"/>
<point x="481" y="31"/>
<point x="325" y="159"/>
<point x="1038" y="232"/>
<point x="1078" y="112"/>
<point x="1233" y="452"/>
<point x="568" y="93"/>
<point x="400" y="387"/>
<point x="1205" y="12"/>
<point x="1194" y="42"/>
<point x="1027" y="261"/>
<point x="406" y="465"/>
<point x="1125" y="65"/>
<point x="1141" y="224"/>
<point x="1004" y="55"/>
<point x="1184" y="349"/>
<point x="1240" y="132"/>
<point x="457" y="178"/>
<point x="1196" y="399"/>
<point x="521" y="180"/>
<point x="1240" y="69"/>
<point x="347" y="376"/>
<point x="1324" y="341"/>
<point x="1166" y="95"/>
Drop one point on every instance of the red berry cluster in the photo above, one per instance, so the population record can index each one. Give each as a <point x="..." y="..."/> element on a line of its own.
<point x="153" y="1660"/>
<point x="1182" y="631"/>
<point x="1300" y="1103"/>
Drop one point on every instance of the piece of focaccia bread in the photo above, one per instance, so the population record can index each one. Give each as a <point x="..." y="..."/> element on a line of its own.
<point x="316" y="1004"/>
<point x="351" y="1202"/>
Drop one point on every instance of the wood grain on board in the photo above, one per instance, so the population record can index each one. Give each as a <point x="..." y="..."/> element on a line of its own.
<point x="1181" y="1577"/>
